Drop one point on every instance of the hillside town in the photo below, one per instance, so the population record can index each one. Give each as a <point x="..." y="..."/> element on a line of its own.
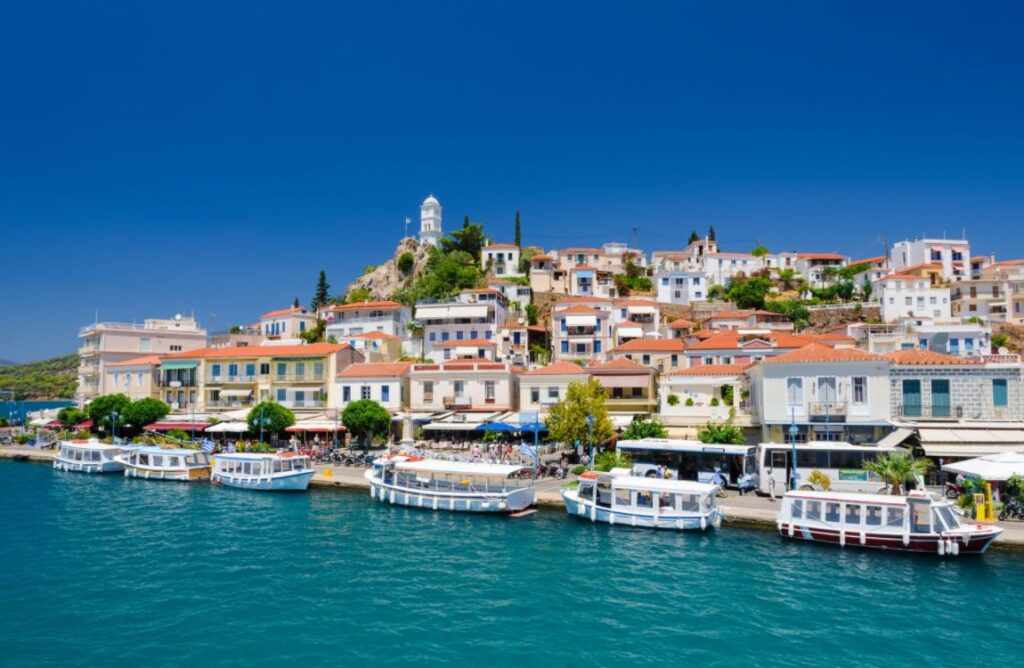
<point x="904" y="348"/>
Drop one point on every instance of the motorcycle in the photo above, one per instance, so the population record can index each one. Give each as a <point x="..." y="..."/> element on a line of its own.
<point x="953" y="491"/>
<point x="1012" y="509"/>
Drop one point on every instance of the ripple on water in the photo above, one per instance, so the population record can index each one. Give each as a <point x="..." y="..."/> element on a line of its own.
<point x="104" y="570"/>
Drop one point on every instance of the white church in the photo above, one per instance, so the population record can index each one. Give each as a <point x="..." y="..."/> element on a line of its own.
<point x="430" y="222"/>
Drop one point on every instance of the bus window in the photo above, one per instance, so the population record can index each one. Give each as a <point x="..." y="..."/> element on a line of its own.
<point x="778" y="459"/>
<point x="847" y="459"/>
<point x="812" y="459"/>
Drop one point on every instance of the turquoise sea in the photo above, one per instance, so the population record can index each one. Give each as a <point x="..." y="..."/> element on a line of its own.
<point x="104" y="571"/>
<point x="17" y="409"/>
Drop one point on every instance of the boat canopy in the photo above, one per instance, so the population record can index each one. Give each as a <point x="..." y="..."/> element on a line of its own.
<point x="157" y="450"/>
<point x="257" y="456"/>
<point x="643" y="484"/>
<point x="458" y="468"/>
<point x="873" y="499"/>
<point x="91" y="444"/>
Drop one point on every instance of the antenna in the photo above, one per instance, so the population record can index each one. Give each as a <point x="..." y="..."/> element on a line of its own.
<point x="407" y="221"/>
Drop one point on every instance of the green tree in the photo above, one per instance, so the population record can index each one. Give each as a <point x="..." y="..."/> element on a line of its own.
<point x="358" y="295"/>
<point x="531" y="314"/>
<point x="540" y="355"/>
<point x="406" y="261"/>
<point x="567" y="420"/>
<point x="316" y="333"/>
<point x="275" y="418"/>
<point x="748" y="292"/>
<point x="760" y="250"/>
<point x="897" y="468"/>
<point x="518" y="232"/>
<point x="793" y="309"/>
<point x="100" y="408"/>
<point x="321" y="295"/>
<point x="711" y="233"/>
<point x="295" y="303"/>
<point x="693" y="237"/>
<point x="469" y="239"/>
<point x="141" y="412"/>
<point x="365" y="419"/>
<point x="446" y="274"/>
<point x="69" y="416"/>
<point x="721" y="432"/>
<point x="612" y="459"/>
<point x="1000" y="340"/>
<point x="643" y="428"/>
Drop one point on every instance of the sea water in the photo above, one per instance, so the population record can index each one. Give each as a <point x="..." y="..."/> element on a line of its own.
<point x="107" y="571"/>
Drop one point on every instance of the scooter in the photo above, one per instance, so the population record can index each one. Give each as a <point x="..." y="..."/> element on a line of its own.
<point x="1012" y="509"/>
<point x="953" y="490"/>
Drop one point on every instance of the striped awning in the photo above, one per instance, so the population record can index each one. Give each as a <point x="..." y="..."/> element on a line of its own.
<point x="178" y="364"/>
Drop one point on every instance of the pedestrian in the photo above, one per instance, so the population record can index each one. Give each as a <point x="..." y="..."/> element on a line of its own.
<point x="771" y="483"/>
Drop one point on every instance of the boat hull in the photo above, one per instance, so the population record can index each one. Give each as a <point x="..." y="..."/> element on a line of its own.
<point x="292" y="482"/>
<point x="975" y="542"/>
<point x="109" y="466"/>
<point x="192" y="474"/>
<point x="508" y="502"/>
<point x="672" y="521"/>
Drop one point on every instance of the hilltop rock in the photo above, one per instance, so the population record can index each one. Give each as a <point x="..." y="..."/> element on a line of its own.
<point x="386" y="278"/>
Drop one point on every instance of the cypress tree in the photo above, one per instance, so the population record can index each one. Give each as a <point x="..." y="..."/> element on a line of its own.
<point x="693" y="237"/>
<point x="321" y="296"/>
<point x="711" y="233"/>
<point x="519" y="232"/>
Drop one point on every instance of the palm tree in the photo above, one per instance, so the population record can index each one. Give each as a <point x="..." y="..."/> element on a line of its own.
<point x="897" y="468"/>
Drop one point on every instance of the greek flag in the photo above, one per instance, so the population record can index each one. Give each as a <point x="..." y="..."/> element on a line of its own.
<point x="207" y="445"/>
<point x="529" y="452"/>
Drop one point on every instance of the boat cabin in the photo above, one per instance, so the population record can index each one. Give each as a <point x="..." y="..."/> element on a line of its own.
<point x="651" y="495"/>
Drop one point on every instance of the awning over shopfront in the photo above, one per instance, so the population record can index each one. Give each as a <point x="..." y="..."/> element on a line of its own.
<point x="228" y="428"/>
<point x="236" y="393"/>
<point x="996" y="467"/>
<point x="580" y="320"/>
<point x="969" y="442"/>
<point x="897" y="437"/>
<point x="316" y="425"/>
<point x="176" y="364"/>
<point x="184" y="426"/>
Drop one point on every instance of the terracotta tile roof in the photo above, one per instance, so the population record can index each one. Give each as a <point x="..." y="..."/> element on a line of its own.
<point x="869" y="260"/>
<point x="286" y="311"/>
<point x="730" y="338"/>
<point x="501" y="247"/>
<point x="621" y="364"/>
<point x="462" y="365"/>
<point x="588" y="251"/>
<point x="1009" y="263"/>
<point x="580" y="309"/>
<point x="467" y="343"/>
<point x="583" y="267"/>
<point x="557" y="369"/>
<point x="367" y="370"/>
<point x="820" y="256"/>
<point x="712" y="370"/>
<point x="385" y="305"/>
<point x="304" y="350"/>
<point x="682" y="323"/>
<point x="384" y="336"/>
<point x="145" y="360"/>
<point x="537" y="328"/>
<point x="651" y="345"/>
<point x="832" y="338"/>
<point x="637" y="302"/>
<point x="542" y="257"/>
<point x="979" y="258"/>
<point x="916" y="356"/>
<point x="723" y="315"/>
<point x="576" y="299"/>
<point x="818" y="352"/>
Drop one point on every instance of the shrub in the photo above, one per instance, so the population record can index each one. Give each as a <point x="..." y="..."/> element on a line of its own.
<point x="673" y="400"/>
<point x="689" y="401"/>
<point x="179" y="434"/>
<point x="611" y="459"/>
<point x="577" y="470"/>
<point x="816" y="477"/>
<point x="405" y="262"/>
<point x="715" y="401"/>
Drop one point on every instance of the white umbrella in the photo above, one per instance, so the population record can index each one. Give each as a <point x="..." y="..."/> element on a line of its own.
<point x="226" y="427"/>
<point x="996" y="468"/>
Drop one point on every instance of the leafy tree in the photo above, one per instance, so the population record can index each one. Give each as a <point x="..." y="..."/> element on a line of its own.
<point x="567" y="420"/>
<point x="406" y="261"/>
<point x="721" y="432"/>
<point x="144" y="411"/>
<point x="716" y="292"/>
<point x="316" y="333"/>
<point x="100" y="408"/>
<point x="69" y="416"/>
<point x="540" y="354"/>
<point x="794" y="309"/>
<point x="711" y="233"/>
<point x="760" y="250"/>
<point x="321" y="295"/>
<point x="358" y="295"/>
<point x="693" y="237"/>
<point x="897" y="468"/>
<point x="748" y="292"/>
<point x="643" y="428"/>
<point x="366" y="418"/>
<point x="865" y="291"/>
<point x="469" y="239"/>
<point x="1000" y="340"/>
<point x="276" y="418"/>
<point x="446" y="274"/>
<point x="612" y="459"/>
<point x="525" y="262"/>
<point x="848" y="272"/>
<point x="518" y="232"/>
<point x="531" y="314"/>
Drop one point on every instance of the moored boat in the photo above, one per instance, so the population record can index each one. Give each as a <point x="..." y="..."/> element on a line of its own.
<point x="619" y="498"/>
<point x="156" y="463"/>
<point x="88" y="456"/>
<point x="443" y="485"/>
<point x="913" y="523"/>
<point x="264" y="472"/>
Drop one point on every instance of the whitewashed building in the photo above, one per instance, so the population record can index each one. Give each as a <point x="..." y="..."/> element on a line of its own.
<point x="387" y="384"/>
<point x="912" y="296"/>
<point x="953" y="256"/>
<point x="501" y="260"/>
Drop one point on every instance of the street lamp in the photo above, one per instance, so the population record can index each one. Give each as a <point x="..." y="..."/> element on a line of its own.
<point x="792" y="444"/>
<point x="590" y="438"/>
<point x="113" y="424"/>
<point x="261" y="420"/>
<point x="336" y="415"/>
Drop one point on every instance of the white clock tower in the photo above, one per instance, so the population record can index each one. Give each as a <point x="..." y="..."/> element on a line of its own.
<point x="430" y="222"/>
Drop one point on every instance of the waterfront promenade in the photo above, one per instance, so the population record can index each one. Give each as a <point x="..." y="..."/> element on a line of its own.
<point x="749" y="510"/>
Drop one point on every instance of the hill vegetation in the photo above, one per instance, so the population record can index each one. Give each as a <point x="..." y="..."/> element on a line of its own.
<point x="55" y="378"/>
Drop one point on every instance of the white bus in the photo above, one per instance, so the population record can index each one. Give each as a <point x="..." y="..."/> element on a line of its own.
<point x="693" y="460"/>
<point x="841" y="462"/>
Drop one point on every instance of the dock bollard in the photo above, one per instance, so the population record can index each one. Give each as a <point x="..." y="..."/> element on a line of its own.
<point x="328" y="473"/>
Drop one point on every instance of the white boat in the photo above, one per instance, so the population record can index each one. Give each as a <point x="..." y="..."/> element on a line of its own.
<point x="156" y="463"/>
<point x="88" y="456"/>
<point x="265" y="472"/>
<point x="913" y="523"/>
<point x="619" y="498"/>
<point x="441" y="485"/>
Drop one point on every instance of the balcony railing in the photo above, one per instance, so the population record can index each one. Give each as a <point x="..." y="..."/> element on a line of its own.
<point x="230" y="403"/>
<point x="837" y="408"/>
<point x="931" y="412"/>
<point x="160" y="382"/>
<point x="232" y="378"/>
<point x="303" y="403"/>
<point x="457" y="402"/>
<point x="298" y="377"/>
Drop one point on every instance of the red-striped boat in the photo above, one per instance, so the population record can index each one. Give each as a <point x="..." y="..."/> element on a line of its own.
<point x="913" y="523"/>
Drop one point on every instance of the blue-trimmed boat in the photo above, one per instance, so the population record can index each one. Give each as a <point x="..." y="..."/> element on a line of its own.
<point x="263" y="472"/>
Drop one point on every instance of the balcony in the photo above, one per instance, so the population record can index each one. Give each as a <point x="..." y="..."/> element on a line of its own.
<point x="299" y="378"/>
<point x="176" y="383"/>
<point x="828" y="408"/>
<point x="231" y="378"/>
<point x="457" y="402"/>
<point x="304" y="403"/>
<point x="931" y="412"/>
<point x="230" y="403"/>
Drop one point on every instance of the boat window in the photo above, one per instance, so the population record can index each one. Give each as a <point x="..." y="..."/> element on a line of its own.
<point x="158" y="460"/>
<point x="796" y="509"/>
<point x="622" y="498"/>
<point x="95" y="455"/>
<point x="604" y="493"/>
<point x="920" y="518"/>
<point x="949" y="517"/>
<point x="666" y="501"/>
<point x="831" y="512"/>
<point x="691" y="502"/>
<point x="257" y="468"/>
<point x="586" y="491"/>
<point x="873" y="516"/>
<point x="247" y="467"/>
<point x="893" y="517"/>
<point x="938" y="520"/>
<point x="812" y="510"/>
<point x="144" y="458"/>
<point x="852" y="513"/>
<point x="645" y="500"/>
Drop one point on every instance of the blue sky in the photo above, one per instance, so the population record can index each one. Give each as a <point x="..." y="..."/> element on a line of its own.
<point x="212" y="157"/>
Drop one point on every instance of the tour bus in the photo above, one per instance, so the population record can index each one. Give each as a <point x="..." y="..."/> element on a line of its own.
<point x="693" y="460"/>
<point x="841" y="462"/>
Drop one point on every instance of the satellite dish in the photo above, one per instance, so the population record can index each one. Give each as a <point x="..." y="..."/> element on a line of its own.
<point x="522" y="321"/>
<point x="177" y="316"/>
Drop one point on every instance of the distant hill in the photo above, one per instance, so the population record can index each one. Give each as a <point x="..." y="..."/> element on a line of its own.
<point x="7" y="363"/>
<point x="55" y="378"/>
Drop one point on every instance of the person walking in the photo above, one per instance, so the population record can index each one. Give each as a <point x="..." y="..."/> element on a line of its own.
<point x="771" y="483"/>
